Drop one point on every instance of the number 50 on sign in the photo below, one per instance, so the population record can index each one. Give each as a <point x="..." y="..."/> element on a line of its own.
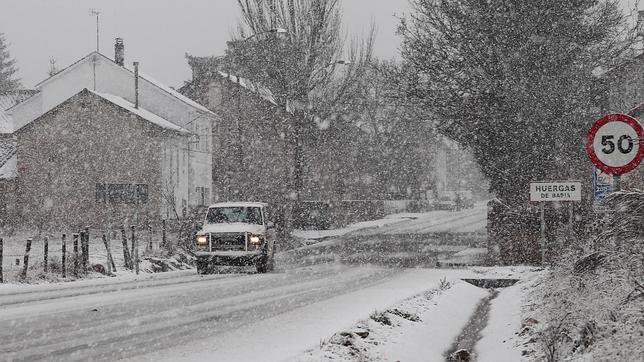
<point x="613" y="144"/>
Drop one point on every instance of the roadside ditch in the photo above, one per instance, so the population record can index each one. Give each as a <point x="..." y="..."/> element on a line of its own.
<point x="465" y="344"/>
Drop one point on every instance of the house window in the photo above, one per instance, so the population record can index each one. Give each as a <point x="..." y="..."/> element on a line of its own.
<point x="121" y="193"/>
<point x="203" y="196"/>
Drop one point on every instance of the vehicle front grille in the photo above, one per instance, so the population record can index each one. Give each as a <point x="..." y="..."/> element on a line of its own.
<point x="227" y="241"/>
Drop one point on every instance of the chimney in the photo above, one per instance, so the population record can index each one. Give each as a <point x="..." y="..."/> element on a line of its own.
<point x="119" y="52"/>
<point x="136" y="85"/>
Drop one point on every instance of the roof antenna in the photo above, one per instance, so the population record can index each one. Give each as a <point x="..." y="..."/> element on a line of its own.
<point x="93" y="12"/>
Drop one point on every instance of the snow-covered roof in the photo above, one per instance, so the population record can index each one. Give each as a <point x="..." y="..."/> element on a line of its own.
<point x="262" y="91"/>
<point x="143" y="113"/>
<point x="7" y="158"/>
<point x="142" y="76"/>
<point x="66" y="69"/>
<point x="8" y="170"/>
<point x="173" y="92"/>
<point x="6" y="124"/>
<point x="239" y="204"/>
<point x="8" y="100"/>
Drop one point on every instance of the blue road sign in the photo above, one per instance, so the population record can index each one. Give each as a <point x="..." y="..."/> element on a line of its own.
<point x="602" y="184"/>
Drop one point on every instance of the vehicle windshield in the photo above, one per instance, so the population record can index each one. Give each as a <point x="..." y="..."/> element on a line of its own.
<point x="233" y="214"/>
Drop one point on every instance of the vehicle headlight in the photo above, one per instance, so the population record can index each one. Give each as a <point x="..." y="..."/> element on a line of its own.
<point x="255" y="239"/>
<point x="202" y="239"/>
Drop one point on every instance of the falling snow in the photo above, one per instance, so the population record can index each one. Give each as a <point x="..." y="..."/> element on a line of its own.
<point x="302" y="196"/>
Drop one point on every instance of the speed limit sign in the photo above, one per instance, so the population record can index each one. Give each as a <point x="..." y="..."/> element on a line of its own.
<point x="613" y="144"/>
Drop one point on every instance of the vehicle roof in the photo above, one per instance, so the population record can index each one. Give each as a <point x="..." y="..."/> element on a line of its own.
<point x="239" y="204"/>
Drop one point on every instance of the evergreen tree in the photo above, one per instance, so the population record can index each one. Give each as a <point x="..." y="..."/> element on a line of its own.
<point x="513" y="80"/>
<point x="7" y="69"/>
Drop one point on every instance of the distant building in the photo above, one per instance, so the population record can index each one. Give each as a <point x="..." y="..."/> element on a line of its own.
<point x="94" y="150"/>
<point x="456" y="170"/>
<point x="252" y="160"/>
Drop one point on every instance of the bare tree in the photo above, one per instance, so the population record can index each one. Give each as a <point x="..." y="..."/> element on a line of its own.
<point x="184" y="221"/>
<point x="296" y="48"/>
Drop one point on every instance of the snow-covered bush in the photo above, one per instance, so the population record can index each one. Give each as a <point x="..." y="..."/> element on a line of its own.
<point x="593" y="300"/>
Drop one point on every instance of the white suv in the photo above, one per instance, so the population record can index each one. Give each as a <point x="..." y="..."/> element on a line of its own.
<point x="235" y="233"/>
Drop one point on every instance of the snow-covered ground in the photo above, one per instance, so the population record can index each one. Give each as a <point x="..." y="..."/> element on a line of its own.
<point x="424" y="326"/>
<point x="439" y="221"/>
<point x="305" y="311"/>
<point x="229" y="317"/>
<point x="472" y="220"/>
<point x="411" y="239"/>
<point x="15" y="245"/>
<point x="358" y="226"/>
<point x="500" y="339"/>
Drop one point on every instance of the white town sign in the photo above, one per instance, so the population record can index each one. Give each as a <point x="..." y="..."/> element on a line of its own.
<point x="555" y="191"/>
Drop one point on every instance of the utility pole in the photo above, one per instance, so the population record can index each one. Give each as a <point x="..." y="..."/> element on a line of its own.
<point x="617" y="185"/>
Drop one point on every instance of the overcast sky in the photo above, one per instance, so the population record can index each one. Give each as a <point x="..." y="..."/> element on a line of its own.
<point x="157" y="33"/>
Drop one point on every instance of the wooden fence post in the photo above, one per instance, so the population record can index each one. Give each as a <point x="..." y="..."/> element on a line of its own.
<point x="164" y="240"/>
<point x="126" y="253"/>
<point x="150" y="246"/>
<point x="75" y="240"/>
<point x="86" y="251"/>
<point x="132" y="253"/>
<point x="135" y="245"/>
<point x="63" y="258"/>
<point x="81" y="247"/>
<point x="46" y="258"/>
<point x="23" y="276"/>
<point x="1" y="246"/>
<point x="109" y="251"/>
<point x="107" y="255"/>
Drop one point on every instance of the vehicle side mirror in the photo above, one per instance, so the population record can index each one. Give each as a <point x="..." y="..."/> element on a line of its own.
<point x="270" y="225"/>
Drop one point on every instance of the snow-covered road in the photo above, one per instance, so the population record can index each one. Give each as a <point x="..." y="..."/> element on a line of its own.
<point x="105" y="321"/>
<point x="472" y="220"/>
<point x="317" y="291"/>
<point x="183" y="316"/>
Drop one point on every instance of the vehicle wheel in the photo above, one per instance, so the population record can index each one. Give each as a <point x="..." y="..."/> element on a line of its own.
<point x="270" y="264"/>
<point x="200" y="267"/>
<point x="203" y="267"/>
<point x="261" y="265"/>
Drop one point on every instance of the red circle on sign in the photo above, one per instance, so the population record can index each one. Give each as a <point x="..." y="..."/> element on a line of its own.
<point x="591" y="138"/>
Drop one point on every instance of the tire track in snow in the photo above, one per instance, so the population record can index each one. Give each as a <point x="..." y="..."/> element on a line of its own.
<point x="20" y="297"/>
<point x="169" y="320"/>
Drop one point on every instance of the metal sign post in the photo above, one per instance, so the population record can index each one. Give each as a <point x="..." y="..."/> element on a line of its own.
<point x="542" y="235"/>
<point x="603" y="184"/>
<point x="617" y="183"/>
<point x="542" y="192"/>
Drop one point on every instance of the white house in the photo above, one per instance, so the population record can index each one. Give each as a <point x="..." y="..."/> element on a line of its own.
<point x="187" y="163"/>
